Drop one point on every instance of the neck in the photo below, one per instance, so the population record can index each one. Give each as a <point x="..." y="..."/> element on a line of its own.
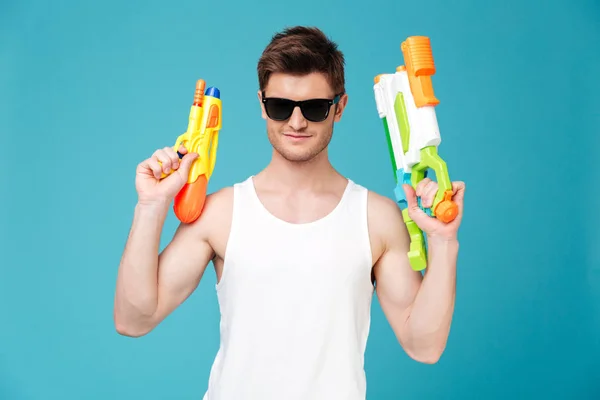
<point x="314" y="174"/>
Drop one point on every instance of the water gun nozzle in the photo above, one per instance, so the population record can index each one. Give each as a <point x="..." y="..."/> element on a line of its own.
<point x="199" y="93"/>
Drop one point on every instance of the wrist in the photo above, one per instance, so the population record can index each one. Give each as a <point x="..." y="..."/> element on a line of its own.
<point x="443" y="245"/>
<point x="442" y="239"/>
<point x="158" y="207"/>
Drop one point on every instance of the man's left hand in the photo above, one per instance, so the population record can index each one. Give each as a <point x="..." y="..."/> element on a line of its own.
<point x="434" y="228"/>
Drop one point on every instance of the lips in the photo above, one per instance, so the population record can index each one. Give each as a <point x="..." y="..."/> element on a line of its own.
<point x="295" y="136"/>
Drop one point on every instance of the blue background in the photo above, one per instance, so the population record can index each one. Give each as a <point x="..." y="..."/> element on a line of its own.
<point x="89" y="89"/>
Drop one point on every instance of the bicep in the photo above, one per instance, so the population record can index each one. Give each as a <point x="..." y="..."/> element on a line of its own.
<point x="181" y="266"/>
<point x="397" y="283"/>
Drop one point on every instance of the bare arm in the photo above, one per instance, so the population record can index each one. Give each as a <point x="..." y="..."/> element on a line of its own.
<point x="151" y="285"/>
<point x="418" y="308"/>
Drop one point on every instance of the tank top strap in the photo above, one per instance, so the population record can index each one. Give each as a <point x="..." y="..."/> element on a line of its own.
<point x="245" y="202"/>
<point x="355" y="197"/>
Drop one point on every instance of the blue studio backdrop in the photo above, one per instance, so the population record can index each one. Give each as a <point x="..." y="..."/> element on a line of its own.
<point x="89" y="89"/>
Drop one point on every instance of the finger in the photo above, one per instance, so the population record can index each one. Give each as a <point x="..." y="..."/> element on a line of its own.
<point x="182" y="149"/>
<point x="186" y="163"/>
<point x="162" y="156"/>
<point x="414" y="211"/>
<point x="458" y="186"/>
<point x="429" y="193"/>
<point x="411" y="200"/>
<point x="421" y="185"/>
<point x="459" y="194"/>
<point x="153" y="166"/>
<point x="411" y="196"/>
<point x="174" y="158"/>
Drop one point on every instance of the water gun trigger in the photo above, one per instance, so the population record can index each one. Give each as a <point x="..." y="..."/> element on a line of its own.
<point x="179" y="143"/>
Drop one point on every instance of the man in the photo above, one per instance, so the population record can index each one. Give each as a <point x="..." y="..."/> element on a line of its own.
<point x="297" y="249"/>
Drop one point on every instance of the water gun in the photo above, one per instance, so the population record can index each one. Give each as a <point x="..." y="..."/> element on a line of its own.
<point x="406" y="103"/>
<point x="202" y="138"/>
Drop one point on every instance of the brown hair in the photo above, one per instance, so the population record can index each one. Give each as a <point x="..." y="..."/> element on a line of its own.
<point x="301" y="50"/>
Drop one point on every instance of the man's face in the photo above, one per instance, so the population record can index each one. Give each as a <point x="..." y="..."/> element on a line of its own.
<point x="297" y="138"/>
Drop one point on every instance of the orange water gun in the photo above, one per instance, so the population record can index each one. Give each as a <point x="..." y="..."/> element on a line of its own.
<point x="202" y="138"/>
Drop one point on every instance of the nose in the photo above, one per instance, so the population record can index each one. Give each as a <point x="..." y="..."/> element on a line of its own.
<point x="297" y="120"/>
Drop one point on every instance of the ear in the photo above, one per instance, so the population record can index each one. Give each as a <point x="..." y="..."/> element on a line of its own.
<point x="340" y="106"/>
<point x="262" y="106"/>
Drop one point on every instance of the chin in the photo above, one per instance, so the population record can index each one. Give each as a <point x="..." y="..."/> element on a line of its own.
<point x="297" y="158"/>
<point x="298" y="153"/>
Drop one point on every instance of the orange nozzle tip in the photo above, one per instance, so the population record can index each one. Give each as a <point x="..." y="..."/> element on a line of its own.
<point x="401" y="68"/>
<point x="418" y="59"/>
<point x="416" y="40"/>
<point x="377" y="78"/>
<point x="199" y="93"/>
<point x="418" y="55"/>
<point x="189" y="202"/>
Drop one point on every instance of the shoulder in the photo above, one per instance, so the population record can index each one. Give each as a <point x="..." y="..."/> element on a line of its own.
<point x="217" y="212"/>
<point x="383" y="212"/>
<point x="385" y="221"/>
<point x="218" y="206"/>
<point x="219" y="197"/>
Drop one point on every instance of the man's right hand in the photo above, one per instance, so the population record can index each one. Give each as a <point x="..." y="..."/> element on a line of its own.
<point x="150" y="187"/>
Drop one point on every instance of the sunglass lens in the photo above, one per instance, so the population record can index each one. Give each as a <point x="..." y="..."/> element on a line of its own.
<point x="279" y="109"/>
<point x="315" y="110"/>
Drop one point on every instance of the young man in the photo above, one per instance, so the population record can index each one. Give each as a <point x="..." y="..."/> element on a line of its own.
<point x="297" y="249"/>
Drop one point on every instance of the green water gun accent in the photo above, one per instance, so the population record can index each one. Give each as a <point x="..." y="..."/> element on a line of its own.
<point x="403" y="127"/>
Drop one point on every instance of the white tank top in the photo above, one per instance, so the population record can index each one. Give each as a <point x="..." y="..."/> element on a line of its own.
<point x="295" y="303"/>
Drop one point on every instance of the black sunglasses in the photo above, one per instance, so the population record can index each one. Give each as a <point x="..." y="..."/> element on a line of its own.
<point x="314" y="110"/>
